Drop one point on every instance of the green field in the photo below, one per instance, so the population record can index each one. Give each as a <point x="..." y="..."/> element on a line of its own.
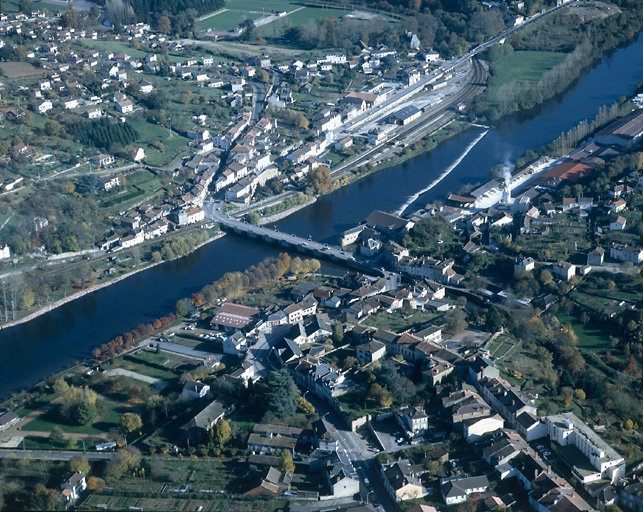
<point x="107" y="421"/>
<point x="19" y="70"/>
<point x="148" y="133"/>
<point x="107" y="502"/>
<point x="38" y="5"/>
<point x="525" y="67"/>
<point x="590" y="337"/>
<point x="400" y="320"/>
<point x="228" y="20"/>
<point x="301" y="17"/>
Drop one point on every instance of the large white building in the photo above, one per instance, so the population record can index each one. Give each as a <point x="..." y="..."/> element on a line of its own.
<point x="600" y="460"/>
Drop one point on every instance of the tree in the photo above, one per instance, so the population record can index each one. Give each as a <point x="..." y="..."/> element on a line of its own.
<point x="252" y="218"/>
<point x="78" y="464"/>
<point x="183" y="307"/>
<point x="305" y="406"/>
<point x="380" y="395"/>
<point x="287" y="464"/>
<point x="320" y="180"/>
<point x="338" y="333"/>
<point x="57" y="436"/>
<point x="131" y="422"/>
<point x="82" y="413"/>
<point x="43" y="498"/>
<point x="455" y="321"/>
<point x="220" y="434"/>
<point x="126" y="459"/>
<point x="281" y="394"/>
<point x="163" y="24"/>
<point x="96" y="484"/>
<point x="579" y="394"/>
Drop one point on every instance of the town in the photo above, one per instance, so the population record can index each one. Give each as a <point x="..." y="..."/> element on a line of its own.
<point x="477" y="352"/>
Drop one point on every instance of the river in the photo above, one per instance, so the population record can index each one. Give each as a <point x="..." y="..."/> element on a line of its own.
<point x="53" y="341"/>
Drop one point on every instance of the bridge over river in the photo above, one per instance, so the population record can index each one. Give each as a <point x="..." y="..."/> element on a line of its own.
<point x="273" y="236"/>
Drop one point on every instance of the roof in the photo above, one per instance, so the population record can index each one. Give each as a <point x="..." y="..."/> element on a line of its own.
<point x="399" y="474"/>
<point x="207" y="417"/>
<point x="385" y="220"/>
<point x="452" y="487"/>
<point x="234" y="315"/>
<point x="406" y="112"/>
<point x="630" y="126"/>
<point x="7" y="417"/>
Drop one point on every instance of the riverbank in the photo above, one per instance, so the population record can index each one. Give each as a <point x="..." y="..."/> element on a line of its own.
<point x="95" y="288"/>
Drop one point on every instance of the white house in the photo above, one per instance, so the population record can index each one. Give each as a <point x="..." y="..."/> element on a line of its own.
<point x="627" y="253"/>
<point x="457" y="490"/>
<point x="5" y="252"/>
<point x="236" y="344"/>
<point x="194" y="389"/>
<point x="414" y="420"/>
<point x="475" y="428"/>
<point x="567" y="430"/>
<point x="74" y="486"/>
<point x="370" y="352"/>
<point x="564" y="270"/>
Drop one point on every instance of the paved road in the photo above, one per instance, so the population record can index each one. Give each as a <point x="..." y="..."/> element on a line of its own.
<point x="214" y="212"/>
<point x="52" y="455"/>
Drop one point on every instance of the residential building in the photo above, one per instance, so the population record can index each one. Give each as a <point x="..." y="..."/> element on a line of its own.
<point x="630" y="497"/>
<point x="457" y="489"/>
<point x="401" y="481"/>
<point x="236" y="344"/>
<point x="269" y="439"/>
<point x="596" y="257"/>
<point x="199" y="426"/>
<point x="194" y="389"/>
<point x="413" y="420"/>
<point x="589" y="457"/>
<point x="341" y="480"/>
<point x="74" y="486"/>
<point x="509" y="401"/>
<point x="564" y="270"/>
<point x="370" y="352"/>
<point x="5" y="251"/>
<point x="475" y="428"/>
<point x="627" y="253"/>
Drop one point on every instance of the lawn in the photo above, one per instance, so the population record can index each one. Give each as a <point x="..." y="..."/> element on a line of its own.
<point x="173" y="146"/>
<point x="209" y="504"/>
<point x="590" y="337"/>
<point x="301" y="17"/>
<point x="19" y="70"/>
<point x="523" y="67"/>
<point x="109" y="420"/>
<point x="228" y="20"/>
<point x="399" y="321"/>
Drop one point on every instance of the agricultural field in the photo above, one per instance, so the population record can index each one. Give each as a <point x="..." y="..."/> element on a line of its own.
<point x="228" y="20"/>
<point x="522" y="67"/>
<point x="20" y="70"/>
<point x="301" y="17"/>
<point x="107" y="502"/>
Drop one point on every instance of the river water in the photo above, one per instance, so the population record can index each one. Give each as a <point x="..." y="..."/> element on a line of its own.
<point x="49" y="343"/>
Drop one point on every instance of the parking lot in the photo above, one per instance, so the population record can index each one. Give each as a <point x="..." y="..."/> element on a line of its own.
<point x="389" y="435"/>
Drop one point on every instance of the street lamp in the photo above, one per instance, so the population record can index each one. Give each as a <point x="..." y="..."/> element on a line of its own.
<point x="368" y="494"/>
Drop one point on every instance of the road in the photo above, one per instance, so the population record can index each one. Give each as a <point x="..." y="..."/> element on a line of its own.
<point x="213" y="211"/>
<point x="354" y="451"/>
<point x="54" y="455"/>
